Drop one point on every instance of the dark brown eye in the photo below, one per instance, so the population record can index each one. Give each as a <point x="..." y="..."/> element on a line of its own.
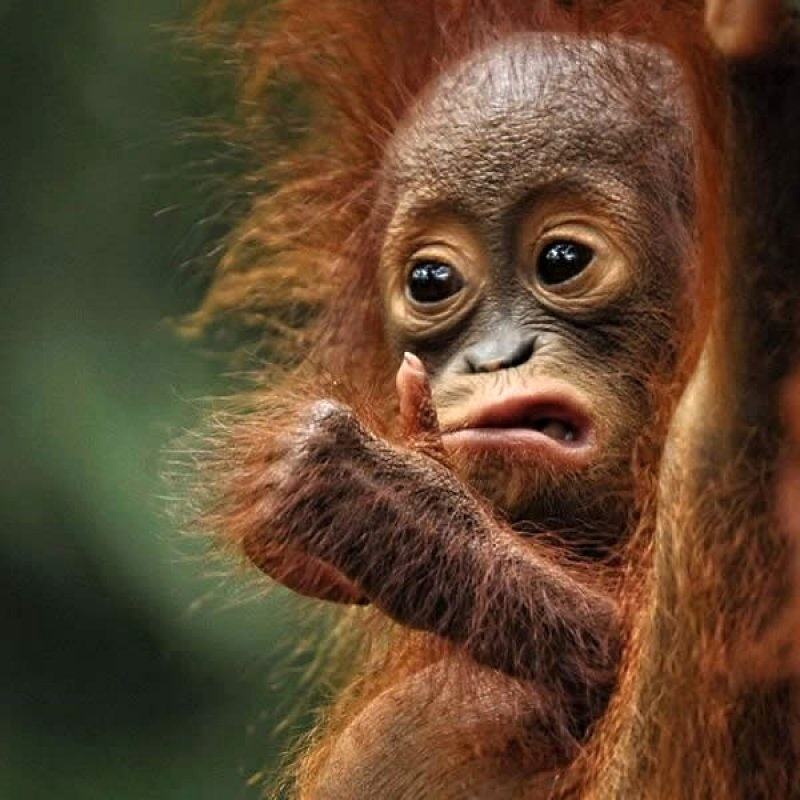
<point x="433" y="281"/>
<point x="561" y="260"/>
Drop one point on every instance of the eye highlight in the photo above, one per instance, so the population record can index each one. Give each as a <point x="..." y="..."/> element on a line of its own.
<point x="432" y="281"/>
<point x="561" y="260"/>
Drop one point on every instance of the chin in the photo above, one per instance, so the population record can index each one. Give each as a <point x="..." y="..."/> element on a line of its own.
<point x="590" y="509"/>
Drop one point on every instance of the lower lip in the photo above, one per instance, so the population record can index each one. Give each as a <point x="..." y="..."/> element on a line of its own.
<point x="524" y="442"/>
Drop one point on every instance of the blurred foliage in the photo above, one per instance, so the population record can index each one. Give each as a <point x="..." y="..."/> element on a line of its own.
<point x="128" y="671"/>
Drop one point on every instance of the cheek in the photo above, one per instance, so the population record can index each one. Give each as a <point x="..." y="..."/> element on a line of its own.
<point x="625" y="414"/>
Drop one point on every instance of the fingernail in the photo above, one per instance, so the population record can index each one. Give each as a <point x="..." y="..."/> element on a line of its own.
<point x="413" y="362"/>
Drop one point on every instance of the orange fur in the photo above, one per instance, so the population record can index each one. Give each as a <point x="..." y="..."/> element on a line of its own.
<point x="302" y="262"/>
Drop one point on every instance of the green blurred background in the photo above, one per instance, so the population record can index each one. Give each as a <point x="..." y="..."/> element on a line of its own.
<point x="127" y="671"/>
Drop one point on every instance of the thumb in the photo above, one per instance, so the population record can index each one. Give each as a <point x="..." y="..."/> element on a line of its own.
<point x="417" y="412"/>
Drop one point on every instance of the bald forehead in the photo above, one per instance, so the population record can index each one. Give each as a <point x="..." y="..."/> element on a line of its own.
<point x="541" y="108"/>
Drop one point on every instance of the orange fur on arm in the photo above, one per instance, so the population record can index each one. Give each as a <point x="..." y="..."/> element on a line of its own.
<point x="405" y="531"/>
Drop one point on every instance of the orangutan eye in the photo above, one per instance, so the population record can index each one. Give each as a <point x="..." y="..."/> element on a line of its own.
<point x="433" y="281"/>
<point x="561" y="260"/>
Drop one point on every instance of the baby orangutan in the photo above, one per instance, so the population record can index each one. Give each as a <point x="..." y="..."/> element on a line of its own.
<point x="553" y="247"/>
<point x="535" y="267"/>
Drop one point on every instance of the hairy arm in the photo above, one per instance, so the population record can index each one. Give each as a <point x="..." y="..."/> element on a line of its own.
<point x="696" y="720"/>
<point x="402" y="528"/>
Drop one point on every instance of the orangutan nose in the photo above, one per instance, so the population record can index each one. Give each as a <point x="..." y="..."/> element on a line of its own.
<point x="503" y="349"/>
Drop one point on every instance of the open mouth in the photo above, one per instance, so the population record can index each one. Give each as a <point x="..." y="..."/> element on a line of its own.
<point x="551" y="424"/>
<point x="554" y="420"/>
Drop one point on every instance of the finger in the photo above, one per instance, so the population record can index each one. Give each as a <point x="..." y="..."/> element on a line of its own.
<point x="302" y="573"/>
<point x="743" y="29"/>
<point x="417" y="411"/>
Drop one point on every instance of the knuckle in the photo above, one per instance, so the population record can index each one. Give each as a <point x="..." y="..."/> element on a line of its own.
<point x="330" y="425"/>
<point x="325" y="411"/>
